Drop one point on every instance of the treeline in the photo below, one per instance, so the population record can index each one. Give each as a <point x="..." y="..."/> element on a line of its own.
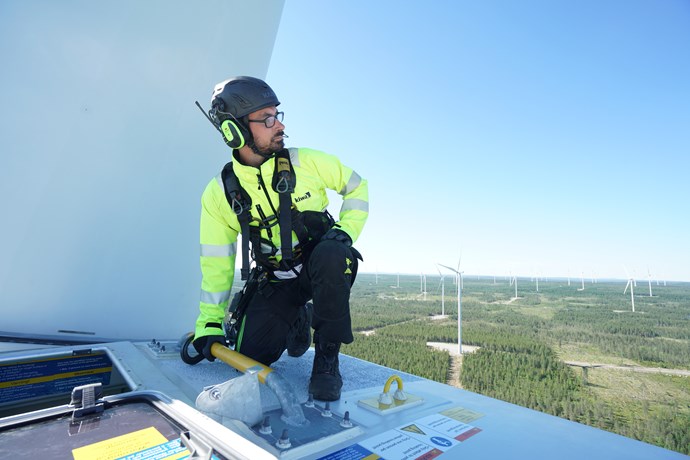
<point x="411" y="356"/>
<point x="656" y="352"/>
<point x="545" y="383"/>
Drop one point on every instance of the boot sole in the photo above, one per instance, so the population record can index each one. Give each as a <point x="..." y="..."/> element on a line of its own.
<point x="325" y="387"/>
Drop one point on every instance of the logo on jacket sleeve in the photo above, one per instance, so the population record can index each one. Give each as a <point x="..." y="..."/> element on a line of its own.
<point x="303" y="197"/>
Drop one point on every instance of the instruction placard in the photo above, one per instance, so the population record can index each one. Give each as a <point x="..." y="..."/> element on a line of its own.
<point x="423" y="439"/>
<point x="55" y="375"/>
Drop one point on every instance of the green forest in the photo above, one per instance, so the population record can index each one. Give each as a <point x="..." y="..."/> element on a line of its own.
<point x="525" y="342"/>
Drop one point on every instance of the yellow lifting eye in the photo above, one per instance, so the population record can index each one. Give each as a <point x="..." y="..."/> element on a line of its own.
<point x="399" y="395"/>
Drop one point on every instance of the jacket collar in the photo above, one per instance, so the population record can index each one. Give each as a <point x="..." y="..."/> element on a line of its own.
<point x="245" y="172"/>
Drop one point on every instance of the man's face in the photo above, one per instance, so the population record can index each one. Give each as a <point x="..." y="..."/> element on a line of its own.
<point x="267" y="140"/>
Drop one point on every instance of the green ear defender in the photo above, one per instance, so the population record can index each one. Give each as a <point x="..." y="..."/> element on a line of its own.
<point x="234" y="99"/>
<point x="233" y="134"/>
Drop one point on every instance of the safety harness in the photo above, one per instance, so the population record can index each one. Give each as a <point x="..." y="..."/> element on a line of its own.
<point x="307" y="225"/>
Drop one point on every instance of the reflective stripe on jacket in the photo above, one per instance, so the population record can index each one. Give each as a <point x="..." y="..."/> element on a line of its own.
<point x="315" y="172"/>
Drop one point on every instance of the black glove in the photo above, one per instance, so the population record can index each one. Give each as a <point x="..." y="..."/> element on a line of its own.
<point x="336" y="234"/>
<point x="202" y="345"/>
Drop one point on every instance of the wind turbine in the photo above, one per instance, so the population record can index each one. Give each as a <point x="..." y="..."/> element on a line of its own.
<point x="631" y="283"/>
<point x="582" y="277"/>
<point x="458" y="273"/>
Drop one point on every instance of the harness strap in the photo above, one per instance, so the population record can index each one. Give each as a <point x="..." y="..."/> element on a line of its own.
<point x="241" y="203"/>
<point x="284" y="184"/>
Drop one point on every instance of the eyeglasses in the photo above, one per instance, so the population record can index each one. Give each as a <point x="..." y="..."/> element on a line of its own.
<point x="270" y="121"/>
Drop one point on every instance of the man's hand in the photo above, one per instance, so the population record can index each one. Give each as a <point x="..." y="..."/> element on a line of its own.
<point x="202" y="345"/>
<point x="338" y="235"/>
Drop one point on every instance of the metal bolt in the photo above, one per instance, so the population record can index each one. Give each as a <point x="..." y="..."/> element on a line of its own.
<point x="284" y="441"/>
<point x="346" y="423"/>
<point x="266" y="426"/>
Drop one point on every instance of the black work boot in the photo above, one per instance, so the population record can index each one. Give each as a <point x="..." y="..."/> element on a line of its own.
<point x="299" y="336"/>
<point x="326" y="382"/>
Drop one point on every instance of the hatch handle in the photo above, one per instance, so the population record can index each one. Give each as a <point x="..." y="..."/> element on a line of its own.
<point x="85" y="399"/>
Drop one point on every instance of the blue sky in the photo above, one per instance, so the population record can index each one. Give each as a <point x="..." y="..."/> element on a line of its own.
<point x="535" y="137"/>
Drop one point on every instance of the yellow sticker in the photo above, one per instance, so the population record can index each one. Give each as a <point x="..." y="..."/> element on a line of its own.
<point x="120" y="446"/>
<point x="413" y="429"/>
<point x="462" y="414"/>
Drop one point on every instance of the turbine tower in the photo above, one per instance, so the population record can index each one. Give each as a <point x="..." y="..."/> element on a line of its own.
<point x="631" y="283"/>
<point x="458" y="273"/>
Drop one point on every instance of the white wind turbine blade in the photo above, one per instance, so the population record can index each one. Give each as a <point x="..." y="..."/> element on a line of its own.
<point x="440" y="282"/>
<point x="649" y="279"/>
<point x="457" y="270"/>
<point x="632" y="295"/>
<point x="449" y="268"/>
<point x="443" y="292"/>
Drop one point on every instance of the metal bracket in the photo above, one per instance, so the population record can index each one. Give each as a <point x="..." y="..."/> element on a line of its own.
<point x="85" y="400"/>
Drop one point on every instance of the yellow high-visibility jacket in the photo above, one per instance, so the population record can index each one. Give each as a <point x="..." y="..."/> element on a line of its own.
<point x="315" y="172"/>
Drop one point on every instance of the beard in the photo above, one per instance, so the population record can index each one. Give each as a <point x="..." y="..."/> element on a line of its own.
<point x="268" y="149"/>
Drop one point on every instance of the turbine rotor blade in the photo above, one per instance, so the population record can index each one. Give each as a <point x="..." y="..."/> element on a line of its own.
<point x="450" y="268"/>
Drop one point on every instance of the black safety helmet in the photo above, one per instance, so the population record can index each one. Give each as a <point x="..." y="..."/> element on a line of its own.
<point x="232" y="101"/>
<point x="240" y="96"/>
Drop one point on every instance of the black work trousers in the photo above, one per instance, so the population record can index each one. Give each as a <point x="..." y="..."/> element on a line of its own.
<point x="325" y="278"/>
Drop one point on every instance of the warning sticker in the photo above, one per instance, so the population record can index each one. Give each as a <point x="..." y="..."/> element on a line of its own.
<point x="394" y="444"/>
<point x="121" y="446"/>
<point x="146" y="444"/>
<point x="462" y="415"/>
<point x="425" y="438"/>
<point x="355" y="452"/>
<point x="447" y="426"/>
